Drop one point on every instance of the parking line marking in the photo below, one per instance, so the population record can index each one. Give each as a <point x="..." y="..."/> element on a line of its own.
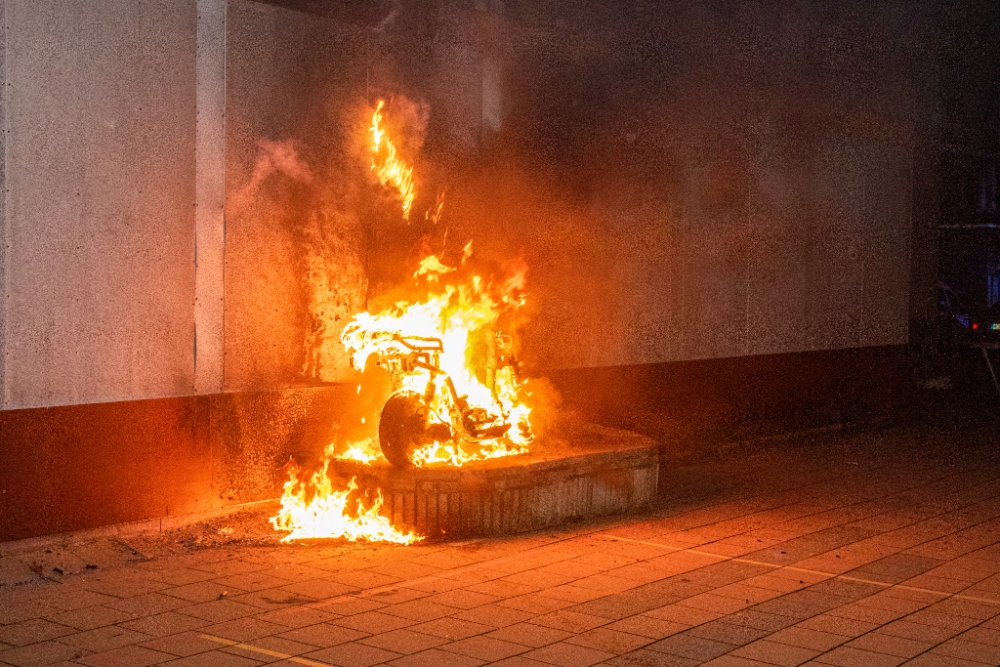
<point x="265" y="651"/>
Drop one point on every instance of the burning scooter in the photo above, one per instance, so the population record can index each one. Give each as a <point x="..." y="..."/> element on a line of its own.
<point x="416" y="417"/>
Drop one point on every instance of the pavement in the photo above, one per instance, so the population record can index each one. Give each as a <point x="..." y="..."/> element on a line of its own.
<point x="875" y="548"/>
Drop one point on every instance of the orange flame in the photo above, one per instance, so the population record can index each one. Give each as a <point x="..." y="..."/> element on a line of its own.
<point x="462" y="316"/>
<point x="463" y="310"/>
<point x="390" y="170"/>
<point x="329" y="513"/>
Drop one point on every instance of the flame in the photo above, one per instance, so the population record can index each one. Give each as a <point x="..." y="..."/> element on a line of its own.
<point x="329" y="512"/>
<point x="462" y="314"/>
<point x="467" y="318"/>
<point x="390" y="170"/>
<point x="364" y="451"/>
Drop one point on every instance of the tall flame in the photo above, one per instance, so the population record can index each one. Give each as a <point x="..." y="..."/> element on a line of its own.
<point x="465" y="311"/>
<point x="390" y="169"/>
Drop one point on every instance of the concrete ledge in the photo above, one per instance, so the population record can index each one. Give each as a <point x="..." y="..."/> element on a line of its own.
<point x="591" y="471"/>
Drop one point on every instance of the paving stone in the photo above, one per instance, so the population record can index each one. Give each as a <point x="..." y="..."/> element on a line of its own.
<point x="451" y="628"/>
<point x="462" y="599"/>
<point x="728" y="633"/>
<point x="845" y="656"/>
<point x="271" y="599"/>
<point x="683" y="589"/>
<point x="348" y="605"/>
<point x="505" y="589"/>
<point x="324" y="634"/>
<point x="570" y="621"/>
<point x="775" y="653"/>
<point x="123" y="585"/>
<point x="202" y="591"/>
<point x="647" y="626"/>
<point x="967" y="650"/>
<point x="518" y="661"/>
<point x="88" y="618"/>
<point x="647" y="658"/>
<point x="529" y="634"/>
<point x="568" y="655"/>
<point x="374" y="622"/>
<point x="181" y="644"/>
<point x="536" y="603"/>
<point x="179" y="576"/>
<point x="485" y="648"/>
<point x="127" y="656"/>
<point x="612" y="641"/>
<point x="808" y="638"/>
<point x="437" y="658"/>
<point x="218" y="611"/>
<point x="252" y="581"/>
<point x="79" y="599"/>
<point x="150" y="603"/>
<point x="689" y="646"/>
<point x="214" y="659"/>
<point x="296" y="617"/>
<point x="352" y="654"/>
<point x="244" y="629"/>
<point x="880" y="642"/>
<point x="419" y="610"/>
<point x="494" y="615"/>
<point x="684" y="614"/>
<point x="104" y="639"/>
<point x="32" y="631"/>
<point x="404" y="641"/>
<point x="364" y="579"/>
<point x="161" y="625"/>
<point x="42" y="653"/>
<point x="274" y="644"/>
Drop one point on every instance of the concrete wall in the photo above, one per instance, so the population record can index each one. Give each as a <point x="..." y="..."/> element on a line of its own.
<point x="722" y="179"/>
<point x="98" y="217"/>
<point x="294" y="243"/>
<point x="719" y="183"/>
<point x="135" y="128"/>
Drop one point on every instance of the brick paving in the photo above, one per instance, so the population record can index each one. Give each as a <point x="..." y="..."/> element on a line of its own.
<point x="867" y="549"/>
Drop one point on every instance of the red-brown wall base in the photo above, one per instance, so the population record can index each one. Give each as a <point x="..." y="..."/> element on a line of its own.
<point x="688" y="403"/>
<point x="82" y="466"/>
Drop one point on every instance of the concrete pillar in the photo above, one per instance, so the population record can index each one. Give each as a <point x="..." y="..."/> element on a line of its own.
<point x="210" y="197"/>
<point x="4" y="231"/>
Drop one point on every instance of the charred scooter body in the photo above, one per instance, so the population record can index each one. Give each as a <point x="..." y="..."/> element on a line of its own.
<point x="406" y="422"/>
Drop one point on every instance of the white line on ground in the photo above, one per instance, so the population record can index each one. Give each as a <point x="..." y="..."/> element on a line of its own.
<point x="273" y="654"/>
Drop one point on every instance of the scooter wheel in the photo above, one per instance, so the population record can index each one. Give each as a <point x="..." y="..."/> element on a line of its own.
<point x="402" y="426"/>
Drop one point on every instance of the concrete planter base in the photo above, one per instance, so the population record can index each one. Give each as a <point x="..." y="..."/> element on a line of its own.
<point x="590" y="471"/>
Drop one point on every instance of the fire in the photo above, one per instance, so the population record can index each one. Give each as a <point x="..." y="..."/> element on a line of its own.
<point x="317" y="510"/>
<point x="390" y="170"/>
<point x="451" y="354"/>
<point x="464" y="314"/>
<point x="364" y="452"/>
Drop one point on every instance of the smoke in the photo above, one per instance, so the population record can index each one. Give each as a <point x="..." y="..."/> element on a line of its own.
<point x="274" y="157"/>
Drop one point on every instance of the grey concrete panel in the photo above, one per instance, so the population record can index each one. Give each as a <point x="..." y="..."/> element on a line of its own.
<point x="886" y="275"/>
<point x="781" y="220"/>
<point x="100" y="216"/>
<point x="294" y="259"/>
